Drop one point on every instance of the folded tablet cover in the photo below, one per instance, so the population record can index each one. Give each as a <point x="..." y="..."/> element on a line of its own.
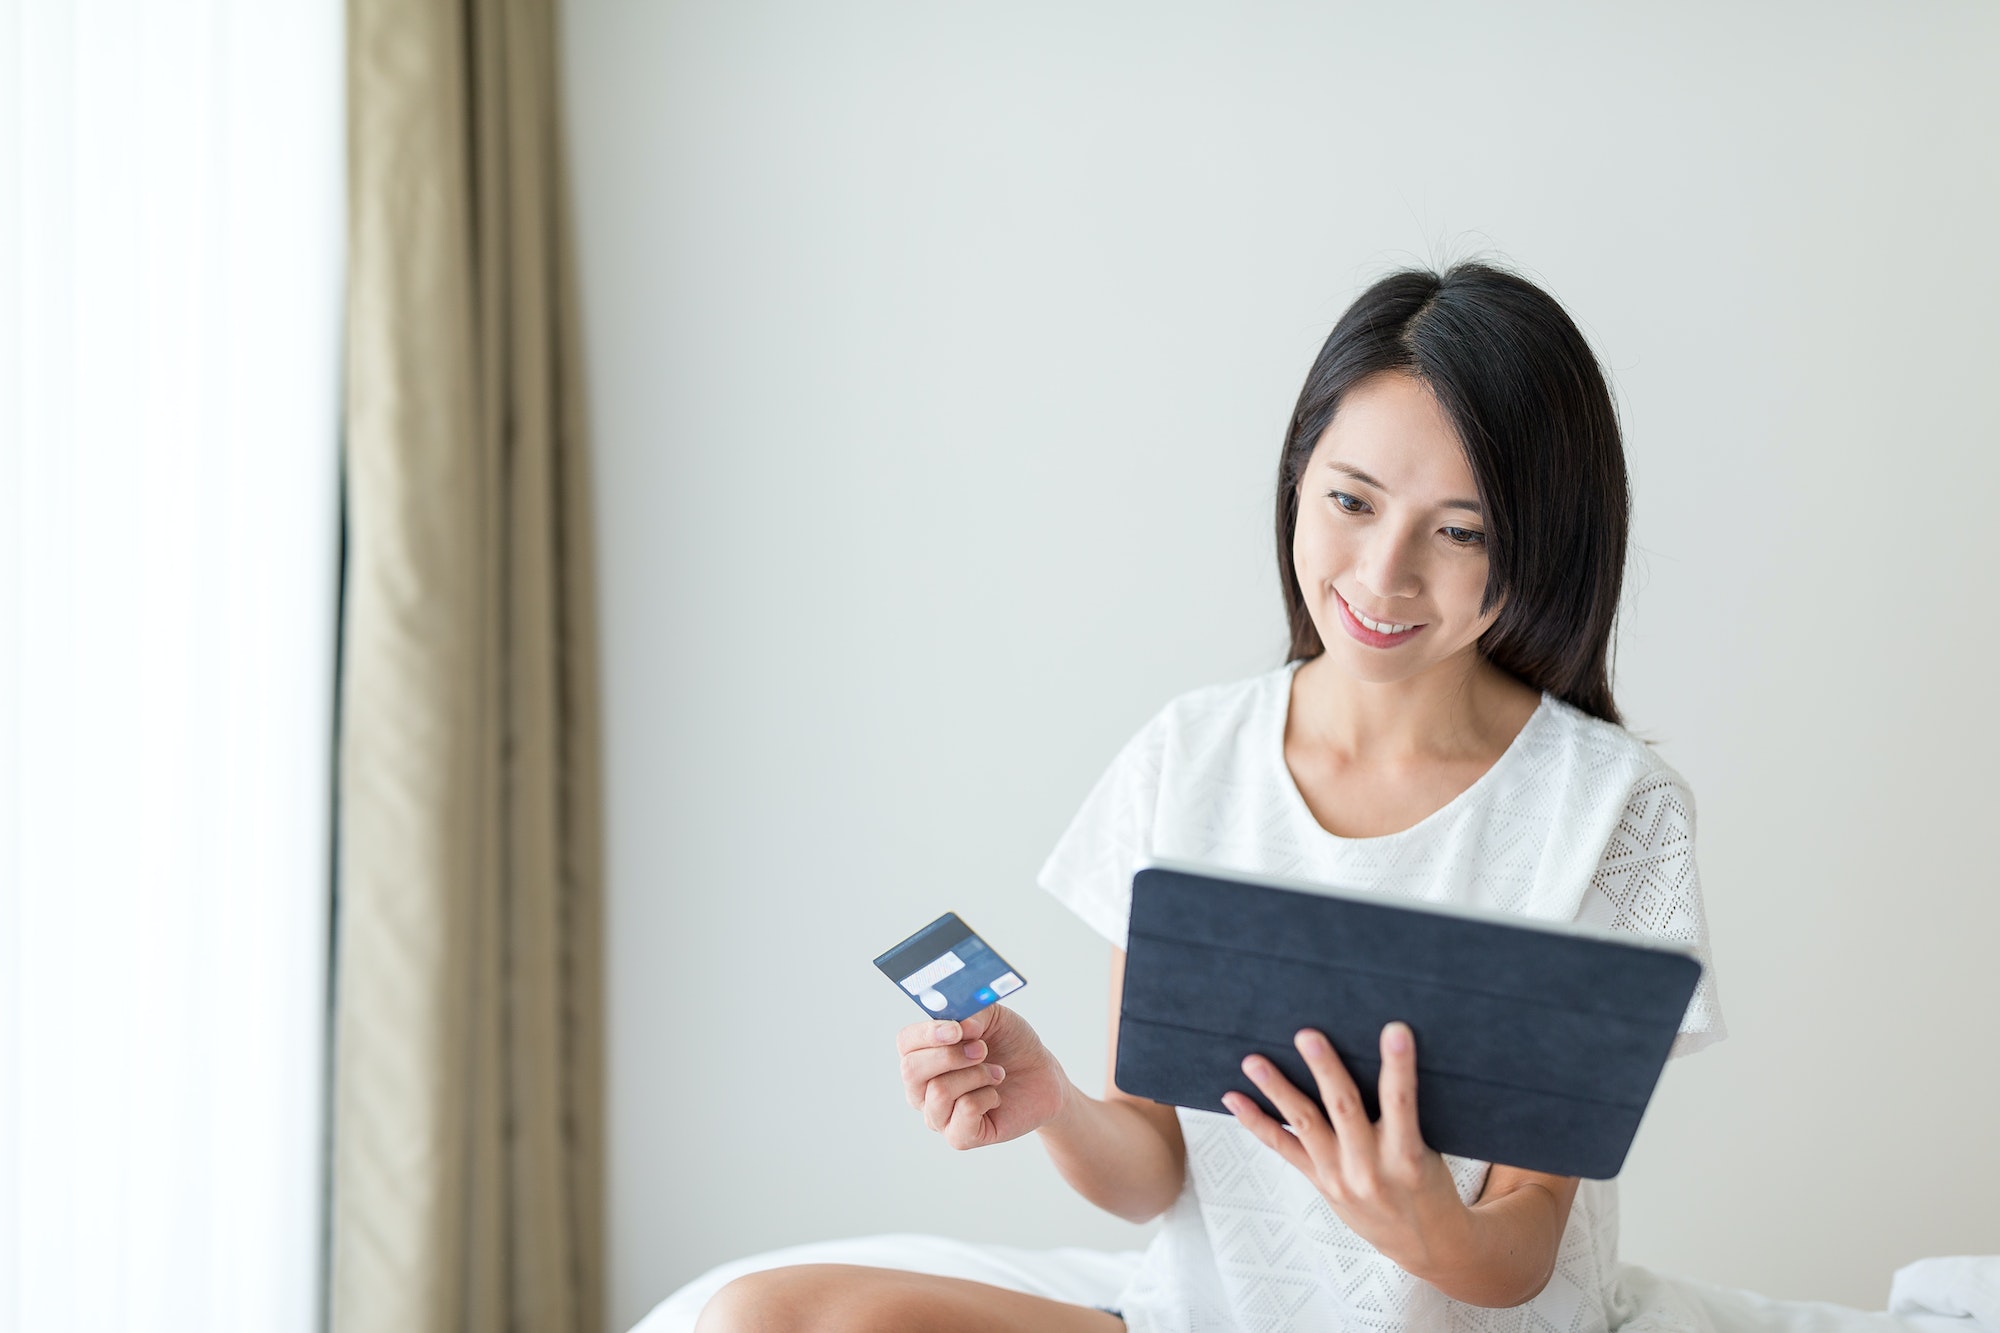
<point x="1537" y="1046"/>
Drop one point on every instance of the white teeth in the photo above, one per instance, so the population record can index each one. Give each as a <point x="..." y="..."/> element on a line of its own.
<point x="1378" y="627"/>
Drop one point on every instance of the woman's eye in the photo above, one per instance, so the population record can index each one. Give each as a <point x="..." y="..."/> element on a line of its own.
<point x="1464" y="537"/>
<point x="1350" y="503"/>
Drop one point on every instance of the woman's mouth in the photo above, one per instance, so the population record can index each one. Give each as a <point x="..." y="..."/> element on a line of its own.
<point x="1374" y="633"/>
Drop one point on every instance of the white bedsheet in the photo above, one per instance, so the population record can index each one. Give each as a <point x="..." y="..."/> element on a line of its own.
<point x="1956" y="1295"/>
<point x="1965" y="1285"/>
<point x="1657" y="1303"/>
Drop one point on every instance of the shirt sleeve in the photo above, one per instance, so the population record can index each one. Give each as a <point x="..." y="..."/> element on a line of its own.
<point x="1647" y="884"/>
<point x="1090" y="871"/>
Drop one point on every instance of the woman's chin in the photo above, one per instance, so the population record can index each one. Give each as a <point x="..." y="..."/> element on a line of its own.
<point x="1372" y="666"/>
<point x="1381" y="666"/>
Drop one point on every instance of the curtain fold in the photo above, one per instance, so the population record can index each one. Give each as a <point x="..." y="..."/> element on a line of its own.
<point x="467" y="1105"/>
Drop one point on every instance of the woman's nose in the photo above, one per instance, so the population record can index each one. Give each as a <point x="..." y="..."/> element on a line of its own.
<point x="1388" y="566"/>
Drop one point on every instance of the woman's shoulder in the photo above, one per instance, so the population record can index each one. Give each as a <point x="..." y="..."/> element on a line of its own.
<point x="1602" y="758"/>
<point x="1223" y="707"/>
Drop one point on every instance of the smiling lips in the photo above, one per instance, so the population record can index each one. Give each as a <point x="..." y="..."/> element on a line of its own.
<point x="1374" y="633"/>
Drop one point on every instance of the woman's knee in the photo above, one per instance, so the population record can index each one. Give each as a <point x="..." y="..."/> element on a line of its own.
<point x="851" y="1298"/>
<point x="822" y="1298"/>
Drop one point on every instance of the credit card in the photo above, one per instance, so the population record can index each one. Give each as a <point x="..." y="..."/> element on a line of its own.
<point x="948" y="970"/>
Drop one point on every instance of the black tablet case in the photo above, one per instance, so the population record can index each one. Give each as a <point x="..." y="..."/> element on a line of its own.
<point x="1537" y="1047"/>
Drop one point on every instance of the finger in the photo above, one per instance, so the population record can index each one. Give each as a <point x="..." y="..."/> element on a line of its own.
<point x="1341" y="1097"/>
<point x="920" y="1067"/>
<point x="1268" y="1131"/>
<point x="930" y="1032"/>
<point x="944" y="1090"/>
<point x="1402" y="1142"/>
<point x="968" y="1127"/>
<point x="1299" y="1110"/>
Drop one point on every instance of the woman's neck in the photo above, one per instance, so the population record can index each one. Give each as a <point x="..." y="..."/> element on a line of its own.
<point x="1460" y="709"/>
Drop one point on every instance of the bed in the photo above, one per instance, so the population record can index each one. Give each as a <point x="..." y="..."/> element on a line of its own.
<point x="1945" y="1295"/>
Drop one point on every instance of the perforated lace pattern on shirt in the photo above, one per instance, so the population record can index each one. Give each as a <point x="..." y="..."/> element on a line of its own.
<point x="1646" y="884"/>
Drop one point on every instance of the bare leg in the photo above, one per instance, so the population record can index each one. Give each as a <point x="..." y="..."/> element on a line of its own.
<point x="847" y="1298"/>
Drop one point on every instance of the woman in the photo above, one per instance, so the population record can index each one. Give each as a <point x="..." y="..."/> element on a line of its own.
<point x="1451" y="525"/>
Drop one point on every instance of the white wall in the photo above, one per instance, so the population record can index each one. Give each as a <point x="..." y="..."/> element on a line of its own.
<point x="940" y="356"/>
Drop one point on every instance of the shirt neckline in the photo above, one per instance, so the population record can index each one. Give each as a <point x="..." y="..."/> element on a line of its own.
<point x="1297" y="799"/>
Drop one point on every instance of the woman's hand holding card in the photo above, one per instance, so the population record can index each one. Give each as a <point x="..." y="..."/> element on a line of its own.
<point x="983" y="1080"/>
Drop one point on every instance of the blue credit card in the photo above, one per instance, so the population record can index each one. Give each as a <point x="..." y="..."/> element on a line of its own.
<point x="948" y="970"/>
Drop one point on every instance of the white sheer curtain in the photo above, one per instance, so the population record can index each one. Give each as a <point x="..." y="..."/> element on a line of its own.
<point x="170" y="250"/>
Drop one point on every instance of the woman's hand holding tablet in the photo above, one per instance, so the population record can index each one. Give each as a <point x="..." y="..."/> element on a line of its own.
<point x="1381" y="1178"/>
<point x="1394" y="1190"/>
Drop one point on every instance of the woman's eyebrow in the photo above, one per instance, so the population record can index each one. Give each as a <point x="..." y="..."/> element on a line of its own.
<point x="1366" y="480"/>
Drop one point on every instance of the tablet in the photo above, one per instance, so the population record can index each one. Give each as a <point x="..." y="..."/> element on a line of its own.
<point x="1538" y="1045"/>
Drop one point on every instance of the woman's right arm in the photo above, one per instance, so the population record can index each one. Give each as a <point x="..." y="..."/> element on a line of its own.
<point x="1123" y="1153"/>
<point x="990" y="1079"/>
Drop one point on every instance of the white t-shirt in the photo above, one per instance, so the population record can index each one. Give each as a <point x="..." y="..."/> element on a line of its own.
<point x="1576" y="821"/>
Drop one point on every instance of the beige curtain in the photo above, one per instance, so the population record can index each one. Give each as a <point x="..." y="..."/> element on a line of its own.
<point x="467" y="1144"/>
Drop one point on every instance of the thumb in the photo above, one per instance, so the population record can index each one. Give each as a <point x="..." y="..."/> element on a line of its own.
<point x="986" y="1022"/>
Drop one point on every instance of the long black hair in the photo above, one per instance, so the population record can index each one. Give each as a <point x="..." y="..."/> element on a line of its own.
<point x="1535" y="416"/>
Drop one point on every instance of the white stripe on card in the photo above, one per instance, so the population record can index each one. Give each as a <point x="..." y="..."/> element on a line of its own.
<point x="932" y="973"/>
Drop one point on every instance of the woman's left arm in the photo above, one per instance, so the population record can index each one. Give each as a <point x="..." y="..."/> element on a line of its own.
<point x="1395" y="1192"/>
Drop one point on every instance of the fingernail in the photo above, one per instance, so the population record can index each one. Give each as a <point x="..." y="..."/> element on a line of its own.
<point x="975" y="1050"/>
<point x="1253" y="1065"/>
<point x="1313" y="1042"/>
<point x="1397" y="1038"/>
<point x="998" y="1072"/>
<point x="945" y="1032"/>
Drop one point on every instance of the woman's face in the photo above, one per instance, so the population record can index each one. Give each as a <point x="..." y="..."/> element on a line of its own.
<point x="1390" y="546"/>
